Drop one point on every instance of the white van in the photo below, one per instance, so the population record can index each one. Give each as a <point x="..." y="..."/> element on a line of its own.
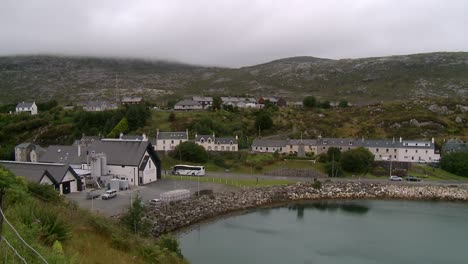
<point x="109" y="194"/>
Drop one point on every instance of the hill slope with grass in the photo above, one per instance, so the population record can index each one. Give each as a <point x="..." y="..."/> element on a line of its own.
<point x="63" y="233"/>
<point x="75" y="79"/>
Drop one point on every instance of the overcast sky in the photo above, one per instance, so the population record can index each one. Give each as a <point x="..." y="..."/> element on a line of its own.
<point x="232" y="33"/>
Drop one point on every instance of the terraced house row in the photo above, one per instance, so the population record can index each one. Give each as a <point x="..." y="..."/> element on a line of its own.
<point x="383" y="149"/>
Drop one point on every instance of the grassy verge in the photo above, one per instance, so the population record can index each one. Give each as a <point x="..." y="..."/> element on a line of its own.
<point x="231" y="181"/>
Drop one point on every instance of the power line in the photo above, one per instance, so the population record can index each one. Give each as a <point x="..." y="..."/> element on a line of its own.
<point x="22" y="240"/>
<point x="13" y="249"/>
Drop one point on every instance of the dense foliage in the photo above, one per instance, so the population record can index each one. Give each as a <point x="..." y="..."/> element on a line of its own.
<point x="359" y="160"/>
<point x="57" y="126"/>
<point x="456" y="163"/>
<point x="263" y="120"/>
<point x="310" y="102"/>
<point x="191" y="152"/>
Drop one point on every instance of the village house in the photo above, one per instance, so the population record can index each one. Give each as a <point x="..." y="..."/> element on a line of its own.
<point x="383" y="150"/>
<point x="97" y="106"/>
<point x="188" y="105"/>
<point x="204" y="101"/>
<point x="454" y="145"/>
<point x="61" y="176"/>
<point x="213" y="143"/>
<point x="131" y="100"/>
<point x="241" y="102"/>
<point x="26" y="107"/>
<point x="269" y="146"/>
<point x="166" y="141"/>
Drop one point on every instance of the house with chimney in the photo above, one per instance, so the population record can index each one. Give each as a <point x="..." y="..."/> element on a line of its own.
<point x="167" y="141"/>
<point x="213" y="143"/>
<point x="26" y="107"/>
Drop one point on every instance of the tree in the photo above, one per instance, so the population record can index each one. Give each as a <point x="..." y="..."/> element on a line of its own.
<point x="217" y="102"/>
<point x="121" y="127"/>
<point x="456" y="163"/>
<point x="359" y="160"/>
<point x="343" y="104"/>
<point x="334" y="154"/>
<point x="310" y="102"/>
<point x="190" y="151"/>
<point x="136" y="116"/>
<point x="263" y="121"/>
<point x="325" y="104"/>
<point x="172" y="117"/>
<point x="134" y="220"/>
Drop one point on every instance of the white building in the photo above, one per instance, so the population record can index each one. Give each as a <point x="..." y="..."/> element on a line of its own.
<point x="30" y="108"/>
<point x="166" y="141"/>
<point x="133" y="160"/>
<point x="61" y="176"/>
<point x="213" y="143"/>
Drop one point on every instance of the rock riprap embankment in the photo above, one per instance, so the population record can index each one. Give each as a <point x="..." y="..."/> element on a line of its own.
<point x="171" y="216"/>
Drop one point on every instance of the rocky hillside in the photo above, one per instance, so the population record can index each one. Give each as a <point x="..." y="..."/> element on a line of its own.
<point x="72" y="79"/>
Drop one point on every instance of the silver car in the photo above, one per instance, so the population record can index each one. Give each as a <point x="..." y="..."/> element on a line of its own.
<point x="395" y="178"/>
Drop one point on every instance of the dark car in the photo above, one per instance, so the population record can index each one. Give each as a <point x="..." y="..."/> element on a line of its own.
<point x="412" y="178"/>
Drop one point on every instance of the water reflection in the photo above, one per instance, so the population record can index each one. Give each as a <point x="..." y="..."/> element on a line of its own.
<point x="330" y="206"/>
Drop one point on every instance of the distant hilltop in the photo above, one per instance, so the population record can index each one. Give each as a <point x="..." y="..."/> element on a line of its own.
<point x="77" y="79"/>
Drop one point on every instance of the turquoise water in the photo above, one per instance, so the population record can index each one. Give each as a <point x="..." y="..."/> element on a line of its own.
<point x="360" y="232"/>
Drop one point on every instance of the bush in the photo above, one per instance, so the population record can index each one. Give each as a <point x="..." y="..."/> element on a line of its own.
<point x="263" y="121"/>
<point x="169" y="242"/>
<point x="134" y="219"/>
<point x="359" y="160"/>
<point x="121" y="127"/>
<point x="310" y="102"/>
<point x="191" y="152"/>
<point x="46" y="193"/>
<point x="456" y="163"/>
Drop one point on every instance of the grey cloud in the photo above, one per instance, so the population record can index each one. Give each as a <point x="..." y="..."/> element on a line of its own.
<point x="232" y="33"/>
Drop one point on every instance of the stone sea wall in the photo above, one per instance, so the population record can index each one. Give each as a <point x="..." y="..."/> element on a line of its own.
<point x="168" y="217"/>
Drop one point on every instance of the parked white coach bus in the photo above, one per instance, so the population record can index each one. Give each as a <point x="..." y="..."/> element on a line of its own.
<point x="188" y="170"/>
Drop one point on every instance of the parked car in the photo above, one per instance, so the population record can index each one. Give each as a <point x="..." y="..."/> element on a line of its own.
<point x="109" y="194"/>
<point x="412" y="178"/>
<point x="395" y="178"/>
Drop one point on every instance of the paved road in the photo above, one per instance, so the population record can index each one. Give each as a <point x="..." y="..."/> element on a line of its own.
<point x="121" y="203"/>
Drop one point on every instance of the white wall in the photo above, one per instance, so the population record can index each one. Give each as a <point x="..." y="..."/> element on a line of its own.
<point x="128" y="172"/>
<point x="168" y="144"/>
<point x="149" y="172"/>
<point x="73" y="183"/>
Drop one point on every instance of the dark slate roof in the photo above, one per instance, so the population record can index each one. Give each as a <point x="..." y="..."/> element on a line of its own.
<point x="339" y="142"/>
<point x="63" y="154"/>
<point x="205" y="137"/>
<point x="202" y="98"/>
<point x="268" y="143"/>
<point x="421" y="144"/>
<point x="24" y="145"/>
<point x="132" y="137"/>
<point x="24" y="105"/>
<point x="143" y="163"/>
<point x="455" y="146"/>
<point x="226" y="140"/>
<point x="188" y="102"/>
<point x="172" y="135"/>
<point x="307" y="142"/>
<point x="34" y="171"/>
<point x="380" y="143"/>
<point x="120" y="152"/>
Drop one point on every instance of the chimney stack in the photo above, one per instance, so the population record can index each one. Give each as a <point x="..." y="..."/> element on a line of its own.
<point x="401" y="139"/>
<point x="433" y="141"/>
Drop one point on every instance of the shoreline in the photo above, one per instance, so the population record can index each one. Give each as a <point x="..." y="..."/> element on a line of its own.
<point x="183" y="215"/>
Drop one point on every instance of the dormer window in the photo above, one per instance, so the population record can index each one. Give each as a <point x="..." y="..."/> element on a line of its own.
<point x="325" y="142"/>
<point x="350" y="143"/>
<point x="230" y="142"/>
<point x="209" y="140"/>
<point x="202" y="140"/>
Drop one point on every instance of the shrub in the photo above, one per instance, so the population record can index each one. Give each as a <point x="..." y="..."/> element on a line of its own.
<point x="455" y="163"/>
<point x="190" y="151"/>
<point x="46" y="193"/>
<point x="169" y="242"/>
<point x="263" y="121"/>
<point x="317" y="184"/>
<point x="358" y="160"/>
<point x="310" y="102"/>
<point x="121" y="127"/>
<point x="134" y="219"/>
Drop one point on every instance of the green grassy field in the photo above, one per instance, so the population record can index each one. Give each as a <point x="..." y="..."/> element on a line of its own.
<point x="231" y="181"/>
